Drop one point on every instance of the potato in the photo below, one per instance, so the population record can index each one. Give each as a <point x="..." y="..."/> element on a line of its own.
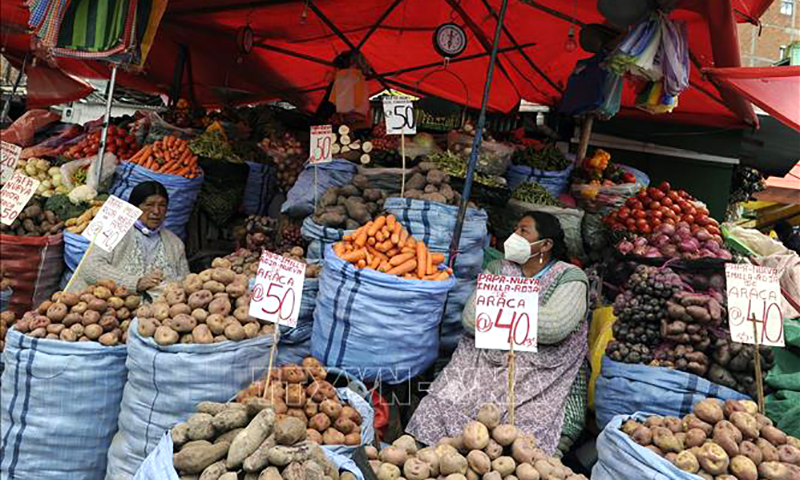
<point x="295" y="395"/>
<point x="415" y="469"/>
<point x="709" y="410"/>
<point x="694" y="438"/>
<point x="751" y="451"/>
<point x="352" y="414"/>
<point x="479" y="461"/>
<point x="180" y="434"/>
<point x="493" y="450"/>
<point x="743" y="468"/>
<point x="229" y="419"/>
<point x="202" y="335"/>
<point x="78" y="330"/>
<point x="216" y="323"/>
<point x="476" y="435"/>
<point x="252" y="329"/>
<point x="789" y="454"/>
<point x="523" y="449"/>
<point x="108" y="322"/>
<point x="116" y="302"/>
<point x="453" y="463"/>
<point x="504" y="466"/>
<point x="289" y="431"/>
<point x="773" y="435"/>
<point x="213" y="286"/>
<point x="270" y="473"/>
<point x="214" y="471"/>
<point x="774" y="471"/>
<point x="713" y="459"/>
<point x="314" y="436"/>
<point x="57" y="311"/>
<point x="505" y="434"/>
<point x="90" y="317"/>
<point x="249" y="439"/>
<point x="200" y="427"/>
<point x="179" y="308"/>
<point x="725" y="435"/>
<point x="234" y="331"/>
<point x="259" y="459"/>
<point x="223" y="276"/>
<point x="490" y="415"/>
<point x="388" y="471"/>
<point x="197" y="459"/>
<point x="492" y="476"/>
<point x="746" y="424"/>
<point x="200" y="299"/>
<point x="643" y="435"/>
<point x="427" y="455"/>
<point x="456" y="476"/>
<point x="344" y="425"/>
<point x="332" y="436"/>
<point x="109" y="339"/>
<point x="165" y="336"/>
<point x="394" y="455"/>
<point x="768" y="451"/>
<point x="236" y="290"/>
<point x="182" y="323"/>
<point x="146" y="327"/>
<point x="102" y="293"/>
<point x="331" y="408"/>
<point x="132" y="302"/>
<point x="320" y="390"/>
<point x="687" y="462"/>
<point x="160" y="311"/>
<point x="220" y="305"/>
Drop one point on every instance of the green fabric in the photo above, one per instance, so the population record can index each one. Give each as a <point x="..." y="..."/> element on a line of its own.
<point x="783" y="406"/>
<point x="575" y="411"/>
<point x="93" y="25"/>
<point x="490" y="255"/>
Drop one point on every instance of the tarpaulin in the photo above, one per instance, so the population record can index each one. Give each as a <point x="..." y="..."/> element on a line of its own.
<point x="50" y="86"/>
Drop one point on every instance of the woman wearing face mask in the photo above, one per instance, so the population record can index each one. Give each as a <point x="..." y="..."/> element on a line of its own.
<point x="147" y="257"/>
<point x="549" y="384"/>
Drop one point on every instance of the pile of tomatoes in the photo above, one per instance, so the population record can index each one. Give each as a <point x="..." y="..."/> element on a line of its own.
<point x="651" y="207"/>
<point x="118" y="142"/>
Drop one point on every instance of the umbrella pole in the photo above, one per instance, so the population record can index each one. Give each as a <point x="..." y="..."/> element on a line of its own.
<point x="476" y="142"/>
<point x="7" y="103"/>
<point x="106" y="120"/>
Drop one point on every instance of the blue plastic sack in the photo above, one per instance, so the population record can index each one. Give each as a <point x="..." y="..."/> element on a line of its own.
<point x="623" y="389"/>
<point x="555" y="182"/>
<point x="374" y="325"/>
<point x="433" y="223"/>
<point x="355" y="400"/>
<point x="75" y="246"/>
<point x="182" y="192"/>
<point x="319" y="238"/>
<point x="59" y="405"/>
<point x="158" y="465"/>
<point x="620" y="458"/>
<point x="262" y="184"/>
<point x="167" y="382"/>
<point x="300" y="199"/>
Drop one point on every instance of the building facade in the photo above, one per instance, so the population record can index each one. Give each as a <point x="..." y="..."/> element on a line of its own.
<point x="772" y="41"/>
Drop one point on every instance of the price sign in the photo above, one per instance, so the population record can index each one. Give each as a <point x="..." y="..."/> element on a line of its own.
<point x="15" y="195"/>
<point x="321" y="142"/>
<point x="112" y="222"/>
<point x="506" y="310"/>
<point x="278" y="289"/>
<point x="9" y="156"/>
<point x="754" y="297"/>
<point x="399" y="113"/>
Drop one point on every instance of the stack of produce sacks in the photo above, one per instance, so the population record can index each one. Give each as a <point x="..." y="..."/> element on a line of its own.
<point x="313" y="182"/>
<point x="377" y="325"/>
<point x="546" y="166"/>
<point x="204" y="346"/>
<point x="63" y="381"/>
<point x="723" y="441"/>
<point x="485" y="450"/>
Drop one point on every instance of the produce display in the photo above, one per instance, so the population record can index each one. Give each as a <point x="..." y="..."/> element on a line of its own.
<point x="244" y="261"/>
<point x="213" y="144"/>
<point x="690" y="319"/>
<point x="548" y="158"/>
<point x="288" y="156"/>
<point x="346" y="146"/>
<point x="733" y="365"/>
<point x="351" y="206"/>
<point x="486" y="449"/>
<point x="301" y="391"/>
<point x="7" y="320"/>
<point x="599" y="170"/>
<point x="259" y="232"/>
<point x="384" y="245"/>
<point x="224" y="441"/>
<point x="49" y="176"/>
<point x="431" y="184"/>
<point x="78" y="224"/>
<point x="118" y="142"/>
<point x="456" y="166"/>
<point x="721" y="441"/>
<point x="180" y="115"/>
<point x="209" y="307"/>
<point x="101" y="312"/>
<point x="73" y="206"/>
<point x="689" y="242"/>
<point x="170" y="155"/>
<point x="746" y="181"/>
<point x="34" y="221"/>
<point x="535" y="194"/>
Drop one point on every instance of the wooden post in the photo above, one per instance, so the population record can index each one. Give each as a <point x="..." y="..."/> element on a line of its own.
<point x="586" y="133"/>
<point x="512" y="397"/>
<point x="403" y="156"/>
<point x="272" y="354"/>
<point x="759" y="375"/>
<point x="85" y="254"/>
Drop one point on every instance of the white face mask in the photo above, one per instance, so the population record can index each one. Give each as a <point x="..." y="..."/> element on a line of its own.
<point x="518" y="250"/>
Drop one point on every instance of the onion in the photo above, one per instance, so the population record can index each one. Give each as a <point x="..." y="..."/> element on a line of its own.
<point x="625" y="247"/>
<point x="666" y="229"/>
<point x="640" y="242"/>
<point x="669" y="250"/>
<point x="687" y="246"/>
<point x="724" y="254"/>
<point x="683" y="232"/>
<point x="652" y="252"/>
<point x="702" y="234"/>
<point x="706" y="253"/>
<point x="660" y="240"/>
<point x="682" y="224"/>
<point x="711" y="245"/>
<point x="640" y="250"/>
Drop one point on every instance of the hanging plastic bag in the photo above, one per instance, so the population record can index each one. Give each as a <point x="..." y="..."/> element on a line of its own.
<point x="350" y="93"/>
<point x="653" y="99"/>
<point x="612" y="96"/>
<point x="674" y="56"/>
<point x="636" y="54"/>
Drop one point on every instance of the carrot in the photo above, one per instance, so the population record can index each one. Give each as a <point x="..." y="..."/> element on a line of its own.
<point x="361" y="238"/>
<point x="403" y="238"/>
<point x="384" y="247"/>
<point x="362" y="263"/>
<point x="376" y="262"/>
<point x="376" y="253"/>
<point x="398" y="259"/>
<point x="408" y="250"/>
<point x="404" y="268"/>
<point x="386" y="232"/>
<point x="411" y="242"/>
<point x="371" y="241"/>
<point x="169" y="140"/>
<point x="396" y="233"/>
<point x="338" y="248"/>
<point x="379" y="236"/>
<point x="376" y="225"/>
<point x="443" y="275"/>
<point x="422" y="260"/>
<point x="408" y="276"/>
<point x="430" y="269"/>
<point x="437" y="258"/>
<point x="390" y="222"/>
<point x="384" y="266"/>
<point x="355" y="255"/>
<point x="392" y="252"/>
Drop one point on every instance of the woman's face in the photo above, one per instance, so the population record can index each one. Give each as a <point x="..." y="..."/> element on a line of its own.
<point x="527" y="229"/>
<point x="154" y="210"/>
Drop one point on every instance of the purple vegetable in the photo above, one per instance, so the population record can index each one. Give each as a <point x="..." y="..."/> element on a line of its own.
<point x="724" y="254"/>
<point x="711" y="245"/>
<point x="625" y="247"/>
<point x="652" y="252"/>
<point x="660" y="240"/>
<point x="687" y="246"/>
<point x="640" y="242"/>
<point x="640" y="250"/>
<point x="669" y="250"/>
<point x="683" y="233"/>
<point x="666" y="229"/>
<point x="702" y="234"/>
<point x="706" y="253"/>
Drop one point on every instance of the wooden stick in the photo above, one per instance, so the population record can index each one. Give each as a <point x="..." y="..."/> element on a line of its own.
<point x="586" y="133"/>
<point x="403" y="155"/>
<point x="86" y="254"/>
<point x="512" y="398"/>
<point x="757" y="361"/>
<point x="272" y="353"/>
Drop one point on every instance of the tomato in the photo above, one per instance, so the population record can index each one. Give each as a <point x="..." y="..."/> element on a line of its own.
<point x="669" y="220"/>
<point x="642" y="196"/>
<point x="645" y="229"/>
<point x="630" y="202"/>
<point x="630" y="223"/>
<point x="666" y="201"/>
<point x="676" y="209"/>
<point x="617" y="226"/>
<point x="130" y="140"/>
<point x="658" y="195"/>
<point x="702" y="210"/>
<point x="701" y="219"/>
<point x="690" y="210"/>
<point x="658" y="213"/>
<point x="673" y="195"/>
<point x="639" y="214"/>
<point x="688" y="219"/>
<point x="640" y="223"/>
<point x="112" y="148"/>
<point x="665" y="187"/>
<point x="637" y="206"/>
<point x="624" y="213"/>
<point x="684" y="194"/>
<point x="654" y="205"/>
<point x="651" y="192"/>
<point x="656" y="222"/>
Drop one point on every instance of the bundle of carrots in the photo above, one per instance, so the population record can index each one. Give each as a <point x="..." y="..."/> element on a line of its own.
<point x="384" y="245"/>
<point x="170" y="155"/>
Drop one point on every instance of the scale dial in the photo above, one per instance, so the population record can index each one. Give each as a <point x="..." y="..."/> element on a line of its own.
<point x="450" y="40"/>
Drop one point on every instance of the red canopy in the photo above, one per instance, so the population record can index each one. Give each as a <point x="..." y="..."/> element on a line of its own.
<point x="298" y="41"/>
<point x="775" y="89"/>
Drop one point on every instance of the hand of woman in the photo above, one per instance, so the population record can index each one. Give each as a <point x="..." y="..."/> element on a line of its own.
<point x="151" y="280"/>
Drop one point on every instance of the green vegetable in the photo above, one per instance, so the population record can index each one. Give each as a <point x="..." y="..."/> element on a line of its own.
<point x="536" y="194"/>
<point x="213" y="145"/>
<point x="456" y="166"/>
<point x="64" y="208"/>
<point x="548" y="158"/>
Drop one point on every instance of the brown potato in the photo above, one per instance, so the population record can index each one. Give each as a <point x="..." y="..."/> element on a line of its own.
<point x="642" y="435"/>
<point x="691" y="421"/>
<point x="90" y="317"/>
<point x="694" y="438"/>
<point x="351" y="414"/>
<point x="789" y="454"/>
<point x="713" y="459"/>
<point x="476" y="435"/>
<point x="768" y="451"/>
<point x="490" y="415"/>
<point x="181" y="323"/>
<point x="165" y="336"/>
<point x="179" y="308"/>
<point x="216" y="323"/>
<point x="116" y="302"/>
<point x="202" y="335"/>
<point x="320" y="422"/>
<point x="69" y="299"/>
<point x="746" y="424"/>
<point x="743" y="468"/>
<point x="295" y="396"/>
<point x="344" y="425"/>
<point x="505" y="434"/>
<point x="331" y="408"/>
<point x="235" y="332"/>
<point x="108" y="339"/>
<point x="709" y="410"/>
<point x="773" y="435"/>
<point x="687" y="462"/>
<point x="479" y="461"/>
<point x="727" y="436"/>
<point x="320" y="390"/>
<point x="333" y="437"/>
<point x="353" y="439"/>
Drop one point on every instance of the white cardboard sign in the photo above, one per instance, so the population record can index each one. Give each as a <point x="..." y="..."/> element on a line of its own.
<point x="15" y="195"/>
<point x="278" y="289"/>
<point x="111" y="223"/>
<point x="399" y="114"/>
<point x="506" y="310"/>
<point x="9" y="156"/>
<point x="754" y="291"/>
<point x="321" y="143"/>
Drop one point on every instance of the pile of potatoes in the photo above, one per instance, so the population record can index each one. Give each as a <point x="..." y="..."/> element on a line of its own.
<point x="301" y="391"/>
<point x="235" y="441"/>
<point x="486" y="450"/>
<point x="721" y="441"/>
<point x="246" y="261"/>
<point x="34" y="221"/>
<point x="209" y="307"/>
<point x="7" y="320"/>
<point x="430" y="184"/>
<point x="100" y="312"/>
<point x="351" y="206"/>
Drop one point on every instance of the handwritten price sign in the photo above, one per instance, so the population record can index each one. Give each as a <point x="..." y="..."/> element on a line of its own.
<point x="399" y="113"/>
<point x="112" y="222"/>
<point x="754" y="297"/>
<point x="506" y="310"/>
<point x="9" y="156"/>
<point x="321" y="142"/>
<point x="15" y="195"/>
<point x="278" y="289"/>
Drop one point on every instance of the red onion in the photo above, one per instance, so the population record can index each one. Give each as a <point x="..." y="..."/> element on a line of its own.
<point x="640" y="242"/>
<point x="712" y="246"/>
<point x="640" y="250"/>
<point x="652" y="252"/>
<point x="687" y="246"/>
<point x="702" y="234"/>
<point x="724" y="254"/>
<point x="660" y="240"/>
<point x="669" y="250"/>
<point x="666" y="229"/>
<point x="683" y="232"/>
<point x="625" y="247"/>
